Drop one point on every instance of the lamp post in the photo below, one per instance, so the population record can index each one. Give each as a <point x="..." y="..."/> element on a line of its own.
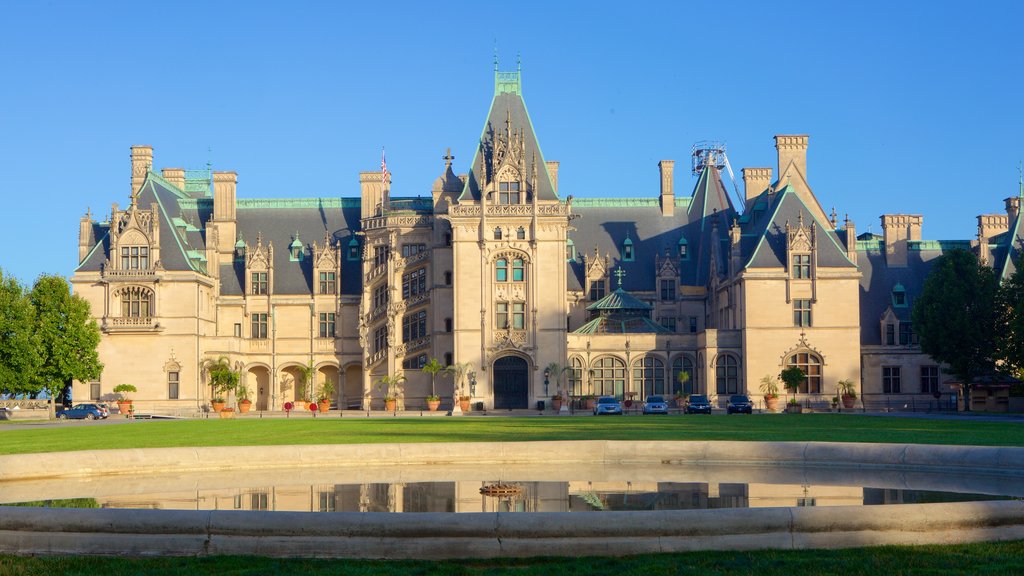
<point x="547" y="373"/>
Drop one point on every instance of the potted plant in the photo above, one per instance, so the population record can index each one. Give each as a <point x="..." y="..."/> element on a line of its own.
<point x="124" y="403"/>
<point x="681" y="396"/>
<point x="556" y="401"/>
<point x="227" y="413"/>
<point x="792" y="378"/>
<point x="242" y="393"/>
<point x="391" y="386"/>
<point x="793" y="406"/>
<point x="326" y="393"/>
<point x="835" y="402"/>
<point x="432" y="368"/>
<point x="847" y="392"/>
<point x="223" y="380"/>
<point x="459" y="372"/>
<point x="588" y="401"/>
<point x="770" y="389"/>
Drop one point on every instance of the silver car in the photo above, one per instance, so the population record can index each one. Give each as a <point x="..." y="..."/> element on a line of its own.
<point x="655" y="405"/>
<point x="607" y="405"/>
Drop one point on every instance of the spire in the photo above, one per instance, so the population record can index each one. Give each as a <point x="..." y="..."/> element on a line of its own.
<point x="619" y="273"/>
<point x="448" y="159"/>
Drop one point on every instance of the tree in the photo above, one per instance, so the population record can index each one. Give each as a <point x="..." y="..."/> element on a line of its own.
<point x="223" y="379"/>
<point x="432" y="368"/>
<point x="1010" y="336"/>
<point x="792" y="378"/>
<point x="68" y="337"/>
<point x="19" y="342"/>
<point x="955" y="315"/>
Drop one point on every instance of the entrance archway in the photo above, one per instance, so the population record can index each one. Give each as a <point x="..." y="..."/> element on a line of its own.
<point x="353" y="389"/>
<point x="511" y="383"/>
<point x="258" y="381"/>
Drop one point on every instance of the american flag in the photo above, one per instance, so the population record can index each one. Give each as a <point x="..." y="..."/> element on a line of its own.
<point x="384" y="174"/>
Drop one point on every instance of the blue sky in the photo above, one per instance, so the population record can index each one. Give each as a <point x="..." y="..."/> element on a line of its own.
<point x="911" y="107"/>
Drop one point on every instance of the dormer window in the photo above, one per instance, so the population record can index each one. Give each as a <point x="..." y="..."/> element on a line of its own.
<point x="240" y="249"/>
<point x="627" y="249"/>
<point x="295" y="249"/>
<point x="135" y="258"/>
<point x="570" y="250"/>
<point x="684" y="249"/>
<point x="497" y="233"/>
<point x="508" y="193"/>
<point x="899" y="296"/>
<point x="801" y="267"/>
<point x="353" y="249"/>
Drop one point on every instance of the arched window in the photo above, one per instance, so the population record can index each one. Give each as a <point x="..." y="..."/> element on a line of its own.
<point x="811" y="365"/>
<point x="497" y="233"/>
<point x="521" y="233"/>
<point x="136" y="302"/>
<point x="501" y="270"/>
<point x="609" y="376"/>
<point x="649" y="376"/>
<point x="683" y="364"/>
<point x="576" y="377"/>
<point x="727" y="380"/>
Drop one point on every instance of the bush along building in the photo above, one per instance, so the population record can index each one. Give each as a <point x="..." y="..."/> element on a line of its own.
<point x="501" y="269"/>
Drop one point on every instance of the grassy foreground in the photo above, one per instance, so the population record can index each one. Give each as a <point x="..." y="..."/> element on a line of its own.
<point x="15" y="439"/>
<point x="990" y="558"/>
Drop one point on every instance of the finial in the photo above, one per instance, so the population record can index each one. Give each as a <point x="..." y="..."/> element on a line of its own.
<point x="619" y="273"/>
<point x="495" y="54"/>
<point x="1020" y="179"/>
<point x="833" y="217"/>
<point x="800" y="219"/>
<point x="88" y="212"/>
<point x="209" y="158"/>
<point x="448" y="158"/>
<point x="519" y="63"/>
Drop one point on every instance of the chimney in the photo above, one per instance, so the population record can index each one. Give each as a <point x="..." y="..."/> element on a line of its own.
<point x="792" y="148"/>
<point x="755" y="181"/>
<point x="553" y="172"/>
<point x="142" y="162"/>
<point x="225" y="186"/>
<point x="668" y="197"/>
<point x="86" y="237"/>
<point x="850" y="232"/>
<point x="899" y="230"/>
<point x="372" y="194"/>
<point x="1012" y="207"/>
<point x="176" y="176"/>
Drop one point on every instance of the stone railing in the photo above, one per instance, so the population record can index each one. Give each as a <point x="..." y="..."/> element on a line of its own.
<point x="377" y="357"/>
<point x="259" y="344"/>
<point x="410" y="260"/>
<point x="129" y="324"/>
<point x="110" y="274"/>
<point x="377" y="313"/>
<point x="417" y="345"/>
<point x="397" y="221"/>
<point x="510" y="210"/>
<point x="374" y="272"/>
<point x="417" y="299"/>
<point x="325" y="344"/>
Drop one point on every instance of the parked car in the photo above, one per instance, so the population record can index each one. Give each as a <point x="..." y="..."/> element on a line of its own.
<point x="607" y="405"/>
<point x="739" y="404"/>
<point x="698" y="404"/>
<point x="80" y="411"/>
<point x="655" y="405"/>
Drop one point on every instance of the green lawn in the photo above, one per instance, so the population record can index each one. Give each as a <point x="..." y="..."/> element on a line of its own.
<point x="15" y="439"/>
<point x="997" y="558"/>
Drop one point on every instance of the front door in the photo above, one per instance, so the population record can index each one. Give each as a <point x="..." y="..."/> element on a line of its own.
<point x="511" y="383"/>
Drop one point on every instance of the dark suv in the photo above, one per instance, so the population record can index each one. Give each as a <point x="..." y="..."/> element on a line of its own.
<point x="739" y="404"/>
<point x="698" y="404"/>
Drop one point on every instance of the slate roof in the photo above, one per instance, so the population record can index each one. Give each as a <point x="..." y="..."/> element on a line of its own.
<point x="876" y="284"/>
<point x="1009" y="249"/>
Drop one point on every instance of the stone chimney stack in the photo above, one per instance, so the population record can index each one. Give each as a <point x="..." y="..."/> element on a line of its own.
<point x="850" y="232"/>
<point x="372" y="192"/>
<point x="792" y="148"/>
<point x="142" y="162"/>
<point x="755" y="181"/>
<point x="990" y="225"/>
<point x="175" y="176"/>
<point x="1012" y="207"/>
<point x="899" y="230"/>
<point x="553" y="172"/>
<point x="668" y="196"/>
<point x="86" y="237"/>
<point x="225" y="186"/>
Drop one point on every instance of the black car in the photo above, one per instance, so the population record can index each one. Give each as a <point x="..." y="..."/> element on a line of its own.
<point x="739" y="404"/>
<point x="698" y="404"/>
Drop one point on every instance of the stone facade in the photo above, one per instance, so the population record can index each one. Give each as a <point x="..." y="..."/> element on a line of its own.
<point x="497" y="269"/>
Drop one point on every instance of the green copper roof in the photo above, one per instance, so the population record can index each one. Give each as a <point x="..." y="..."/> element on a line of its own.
<point x="619" y="300"/>
<point x="621" y="325"/>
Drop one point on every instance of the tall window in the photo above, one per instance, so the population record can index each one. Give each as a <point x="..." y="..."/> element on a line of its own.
<point x="649" y="376"/>
<point x="907" y="334"/>
<point x="576" y="377"/>
<point x="802" y="313"/>
<point x="669" y="322"/>
<point x="609" y="377"/>
<point x="727" y="379"/>
<point x="890" y="379"/>
<point x="448" y="325"/>
<point x="521" y="233"/>
<point x="327" y="324"/>
<point x="414" y="326"/>
<point x="380" y="255"/>
<point x="681" y="364"/>
<point x="596" y="289"/>
<point x="693" y="324"/>
<point x="802" y="266"/>
<point x="258" y="283"/>
<point x="380" y="339"/>
<point x="135" y="258"/>
<point x="518" y="270"/>
<point x="501" y="270"/>
<point x="497" y="233"/>
<point x="94" y="390"/>
<point x="501" y="315"/>
<point x="890" y="334"/>
<point x="448" y="278"/>
<point x="518" y="315"/>
<point x="414" y="362"/>
<point x="508" y="193"/>
<point x="414" y="283"/>
<point x="259" y="326"/>
<point x="380" y="296"/>
<point x="412" y="249"/>
<point x="327" y="283"/>
<point x="135" y="302"/>
<point x="353" y="249"/>
<point x="172" y="385"/>
<point x="811" y="366"/>
<point x="668" y="290"/>
<point x="929" y="379"/>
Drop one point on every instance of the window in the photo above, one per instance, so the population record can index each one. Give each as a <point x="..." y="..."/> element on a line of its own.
<point x="683" y="364"/>
<point x="135" y="302"/>
<point x="684" y="253"/>
<point x="259" y="326"/>
<point x="518" y="270"/>
<point x="414" y="283"/>
<point x="501" y="270"/>
<point x="172" y="385"/>
<point x="890" y="334"/>
<point x="259" y="501"/>
<point x="380" y="296"/>
<point x="135" y="258"/>
<point x="521" y="233"/>
<point x="238" y="330"/>
<point x="802" y="313"/>
<point x="412" y="249"/>
<point x="668" y="290"/>
<point x="802" y="266"/>
<point x="353" y="249"/>
<point x="899" y="296"/>
<point x="497" y="233"/>
<point x="258" y="283"/>
<point x="447" y="278"/>
<point x="890" y="379"/>
<point x="501" y="316"/>
<point x="414" y="362"/>
<point x="907" y="336"/>
<point x="693" y="324"/>
<point x="94" y="390"/>
<point x="811" y="366"/>
<point x="518" y="315"/>
<point x="576" y="377"/>
<point x="609" y="377"/>
<point x="448" y="325"/>
<point x="414" y="326"/>
<point x="447" y="358"/>
<point x="929" y="379"/>
<point x="727" y="375"/>
<point x="596" y="289"/>
<point x="649" y="376"/>
<point x="380" y="339"/>
<point x="327" y="283"/>
<point x="627" y="249"/>
<point x="669" y="322"/>
<point x="508" y="193"/>
<point x="380" y="255"/>
<point x="570" y="250"/>
<point x="327" y="324"/>
<point x="327" y="501"/>
<point x="447" y="238"/>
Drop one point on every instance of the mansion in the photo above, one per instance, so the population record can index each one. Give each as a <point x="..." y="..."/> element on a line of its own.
<point x="504" y="269"/>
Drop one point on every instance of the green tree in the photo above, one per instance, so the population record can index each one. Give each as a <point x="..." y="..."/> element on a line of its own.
<point x="1010" y="335"/>
<point x="19" y="342"/>
<point x="68" y="337"/>
<point x="433" y="368"/>
<point x="223" y="379"/>
<point x="955" y="315"/>
<point x="792" y="378"/>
